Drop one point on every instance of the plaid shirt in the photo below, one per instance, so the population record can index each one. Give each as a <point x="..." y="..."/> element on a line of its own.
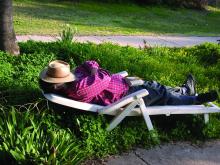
<point x="101" y="88"/>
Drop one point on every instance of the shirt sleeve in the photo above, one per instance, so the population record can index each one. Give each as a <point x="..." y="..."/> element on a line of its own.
<point x="85" y="89"/>
<point x="90" y="65"/>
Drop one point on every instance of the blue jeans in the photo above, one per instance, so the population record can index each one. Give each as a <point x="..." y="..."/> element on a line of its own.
<point x="164" y="95"/>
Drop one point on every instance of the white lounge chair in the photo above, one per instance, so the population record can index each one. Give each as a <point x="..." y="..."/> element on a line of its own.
<point x="133" y="105"/>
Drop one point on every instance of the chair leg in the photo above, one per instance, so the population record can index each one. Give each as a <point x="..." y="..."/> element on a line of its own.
<point x="206" y="118"/>
<point x="146" y="115"/>
<point x="117" y="119"/>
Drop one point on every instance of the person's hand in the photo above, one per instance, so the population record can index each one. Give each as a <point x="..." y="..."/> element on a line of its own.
<point x="94" y="71"/>
<point x="59" y="86"/>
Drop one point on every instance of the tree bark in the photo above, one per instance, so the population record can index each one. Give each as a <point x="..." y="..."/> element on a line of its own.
<point x="7" y="34"/>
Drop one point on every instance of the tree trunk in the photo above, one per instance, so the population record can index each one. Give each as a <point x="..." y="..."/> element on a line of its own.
<point x="7" y="34"/>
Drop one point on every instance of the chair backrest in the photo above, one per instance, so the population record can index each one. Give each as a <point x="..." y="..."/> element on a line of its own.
<point x="111" y="109"/>
<point x="72" y="103"/>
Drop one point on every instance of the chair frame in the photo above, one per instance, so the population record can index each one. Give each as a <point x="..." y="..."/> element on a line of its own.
<point x="133" y="105"/>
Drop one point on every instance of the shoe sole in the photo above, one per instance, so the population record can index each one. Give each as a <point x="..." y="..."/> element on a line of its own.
<point x="195" y="82"/>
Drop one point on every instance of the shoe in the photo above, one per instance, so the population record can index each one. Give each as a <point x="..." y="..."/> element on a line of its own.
<point x="190" y="85"/>
<point x="206" y="97"/>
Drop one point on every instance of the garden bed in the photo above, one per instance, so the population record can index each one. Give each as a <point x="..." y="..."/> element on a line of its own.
<point x="30" y="131"/>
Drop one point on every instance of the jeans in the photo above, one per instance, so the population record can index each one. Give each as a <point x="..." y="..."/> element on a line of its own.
<point x="164" y="95"/>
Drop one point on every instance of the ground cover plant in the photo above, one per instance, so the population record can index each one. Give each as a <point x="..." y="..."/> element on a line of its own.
<point x="33" y="131"/>
<point x="48" y="17"/>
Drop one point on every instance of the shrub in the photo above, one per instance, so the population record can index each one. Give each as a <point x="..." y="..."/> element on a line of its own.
<point x="67" y="34"/>
<point x="212" y="129"/>
<point x="31" y="137"/>
<point x="208" y="54"/>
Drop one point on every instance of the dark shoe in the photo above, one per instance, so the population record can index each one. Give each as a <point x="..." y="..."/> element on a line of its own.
<point x="207" y="97"/>
<point x="190" y="85"/>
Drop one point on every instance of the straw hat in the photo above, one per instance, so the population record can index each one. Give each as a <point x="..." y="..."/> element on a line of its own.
<point x="57" y="72"/>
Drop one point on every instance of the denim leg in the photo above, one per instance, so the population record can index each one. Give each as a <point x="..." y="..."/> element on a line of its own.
<point x="157" y="93"/>
<point x="179" y="96"/>
<point x="180" y="90"/>
<point x="164" y="95"/>
<point x="176" y="99"/>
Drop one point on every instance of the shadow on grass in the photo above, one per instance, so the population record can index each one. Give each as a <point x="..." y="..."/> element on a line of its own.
<point x="18" y="95"/>
<point x="146" y="20"/>
<point x="7" y="159"/>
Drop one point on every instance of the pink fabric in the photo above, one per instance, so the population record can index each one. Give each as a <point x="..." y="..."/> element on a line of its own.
<point x="101" y="88"/>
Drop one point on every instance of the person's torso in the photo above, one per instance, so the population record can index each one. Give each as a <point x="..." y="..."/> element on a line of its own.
<point x="116" y="90"/>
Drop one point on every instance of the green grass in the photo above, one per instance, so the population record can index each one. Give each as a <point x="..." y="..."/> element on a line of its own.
<point x="93" y="18"/>
<point x="30" y="137"/>
<point x="33" y="133"/>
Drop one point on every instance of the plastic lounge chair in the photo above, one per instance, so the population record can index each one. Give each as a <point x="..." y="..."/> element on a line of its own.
<point x="133" y="105"/>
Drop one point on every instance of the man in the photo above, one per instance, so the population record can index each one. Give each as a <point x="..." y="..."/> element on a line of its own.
<point x="92" y="84"/>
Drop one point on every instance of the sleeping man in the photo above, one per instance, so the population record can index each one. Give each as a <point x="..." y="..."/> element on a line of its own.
<point x="92" y="84"/>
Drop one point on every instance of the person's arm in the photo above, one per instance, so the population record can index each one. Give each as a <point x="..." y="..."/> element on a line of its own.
<point x="86" y="69"/>
<point x="46" y="87"/>
<point x="90" y="86"/>
<point x="52" y="87"/>
<point x="91" y="65"/>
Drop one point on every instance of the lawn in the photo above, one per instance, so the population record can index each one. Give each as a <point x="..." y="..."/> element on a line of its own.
<point x="93" y="18"/>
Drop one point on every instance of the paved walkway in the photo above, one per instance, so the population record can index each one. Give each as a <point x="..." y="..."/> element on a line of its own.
<point x="136" y="41"/>
<point x="181" y="153"/>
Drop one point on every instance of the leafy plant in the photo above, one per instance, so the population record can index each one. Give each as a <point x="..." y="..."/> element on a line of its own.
<point x="65" y="137"/>
<point x="212" y="129"/>
<point x="67" y="35"/>
<point x="29" y="138"/>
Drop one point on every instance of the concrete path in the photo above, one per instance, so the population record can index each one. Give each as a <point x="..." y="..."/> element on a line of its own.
<point x="181" y="153"/>
<point x="136" y="41"/>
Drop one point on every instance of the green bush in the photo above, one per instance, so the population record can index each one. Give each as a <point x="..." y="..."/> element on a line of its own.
<point x="33" y="137"/>
<point x="68" y="34"/>
<point x="19" y="86"/>
<point x="212" y="129"/>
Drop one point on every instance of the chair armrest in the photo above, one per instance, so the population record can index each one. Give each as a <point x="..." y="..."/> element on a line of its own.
<point x="123" y="101"/>
<point x="134" y="81"/>
<point x="123" y="73"/>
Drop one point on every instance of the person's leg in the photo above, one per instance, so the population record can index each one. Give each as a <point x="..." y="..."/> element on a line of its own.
<point x="188" y="88"/>
<point x="157" y="92"/>
<point x="181" y="99"/>
<point x="182" y="90"/>
<point x="164" y="95"/>
<point x="176" y="99"/>
<point x="207" y="97"/>
<point x="160" y="95"/>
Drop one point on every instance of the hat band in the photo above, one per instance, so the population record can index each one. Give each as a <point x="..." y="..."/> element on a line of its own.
<point x="58" y="72"/>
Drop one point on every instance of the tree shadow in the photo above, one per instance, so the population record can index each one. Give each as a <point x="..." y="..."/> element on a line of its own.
<point x="110" y="19"/>
<point x="7" y="159"/>
<point x="18" y="95"/>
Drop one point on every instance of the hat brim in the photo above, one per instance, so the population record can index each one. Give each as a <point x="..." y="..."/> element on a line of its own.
<point x="46" y="78"/>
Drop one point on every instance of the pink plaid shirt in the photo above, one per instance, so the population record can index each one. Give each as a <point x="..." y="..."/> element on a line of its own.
<point x="101" y="88"/>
